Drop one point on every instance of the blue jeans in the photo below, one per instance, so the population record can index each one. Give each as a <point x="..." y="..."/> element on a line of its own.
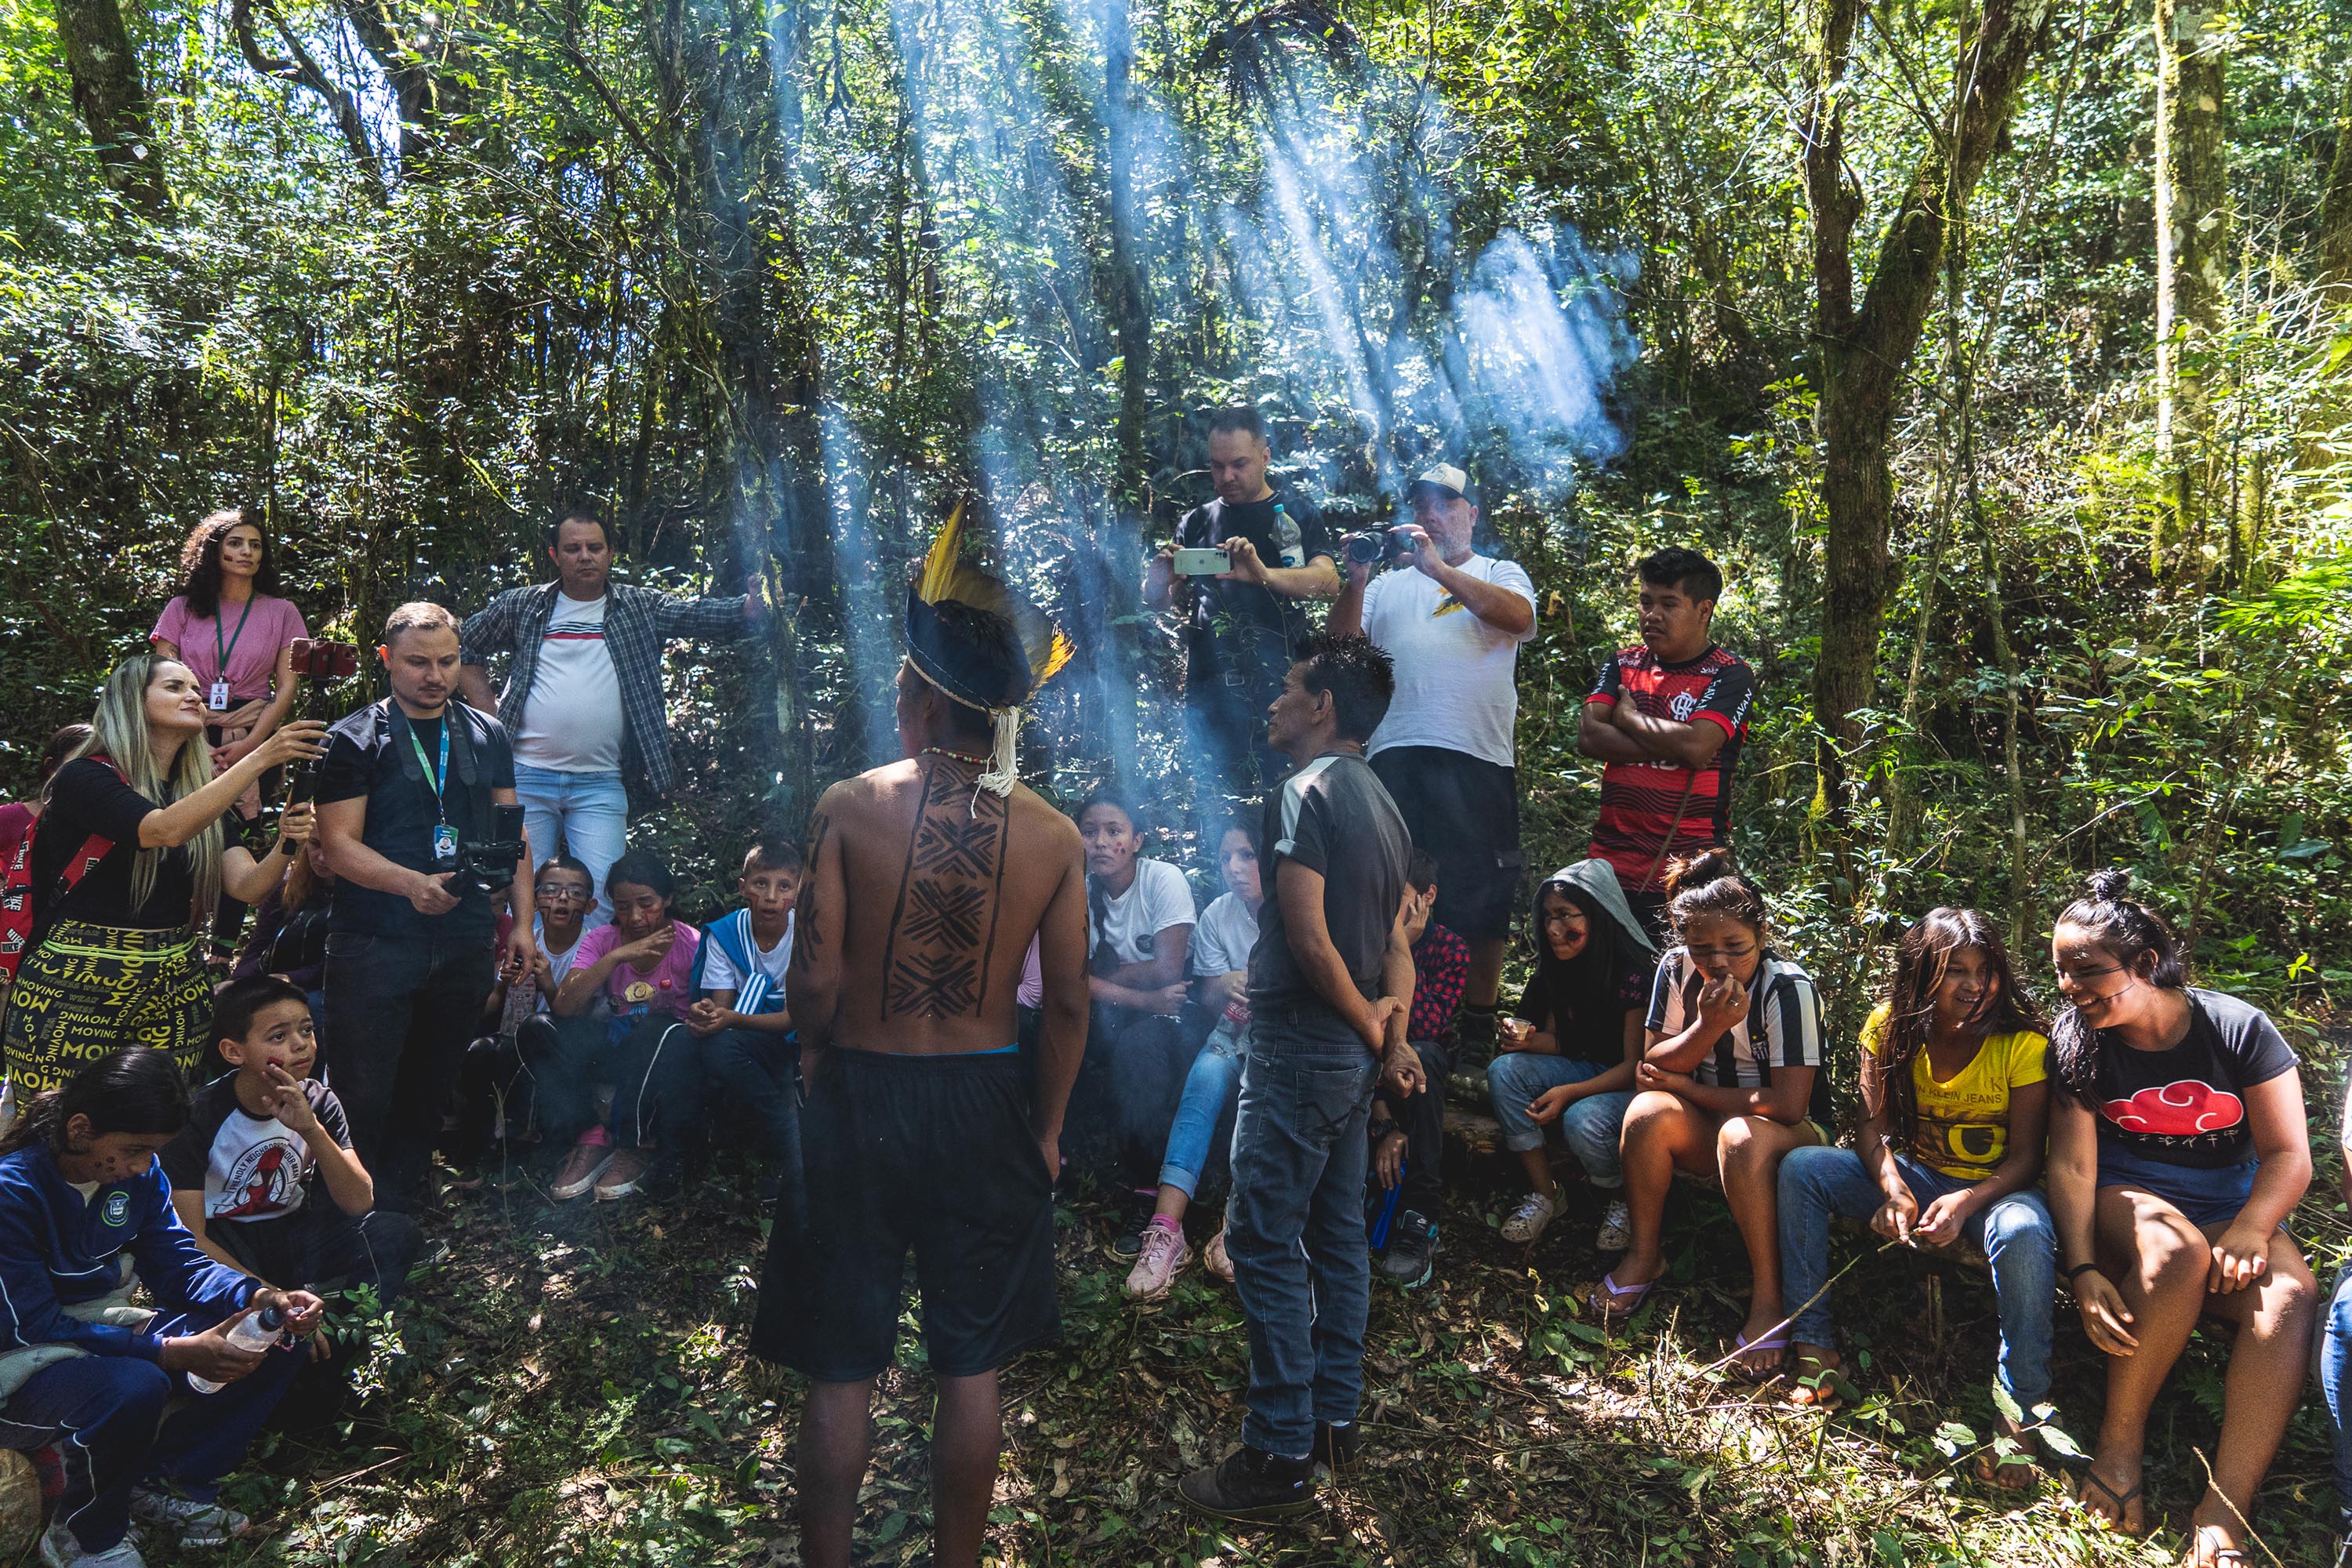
<point x="1295" y="1225"/>
<point x="1208" y="1089"/>
<point x="2015" y="1234"/>
<point x="2334" y="1363"/>
<point x="590" y="813"/>
<point x="1590" y="1126"/>
<point x="102" y="1412"/>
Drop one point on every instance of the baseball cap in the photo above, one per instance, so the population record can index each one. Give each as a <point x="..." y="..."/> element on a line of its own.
<point x="1446" y="479"/>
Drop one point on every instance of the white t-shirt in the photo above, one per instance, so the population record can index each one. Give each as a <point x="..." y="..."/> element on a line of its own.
<point x="719" y="971"/>
<point x="1222" y="939"/>
<point x="1158" y="898"/>
<point x="572" y="720"/>
<point x="1455" y="674"/>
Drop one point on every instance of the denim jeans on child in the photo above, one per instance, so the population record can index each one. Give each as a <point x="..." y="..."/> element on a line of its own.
<point x="2015" y="1234"/>
<point x="1590" y="1126"/>
<point x="1295" y="1226"/>
<point x="2334" y="1363"/>
<point x="760" y="1073"/>
<point x="585" y="814"/>
<point x="1208" y="1089"/>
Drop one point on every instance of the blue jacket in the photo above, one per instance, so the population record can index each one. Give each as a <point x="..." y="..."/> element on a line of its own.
<point x="56" y="1251"/>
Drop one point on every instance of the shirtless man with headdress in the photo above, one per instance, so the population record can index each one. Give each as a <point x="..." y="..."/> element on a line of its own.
<point x="926" y="1128"/>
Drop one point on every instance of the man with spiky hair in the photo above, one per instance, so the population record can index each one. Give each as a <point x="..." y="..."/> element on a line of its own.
<point x="926" y="1129"/>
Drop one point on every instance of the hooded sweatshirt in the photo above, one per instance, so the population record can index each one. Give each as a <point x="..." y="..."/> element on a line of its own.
<point x="1582" y="1002"/>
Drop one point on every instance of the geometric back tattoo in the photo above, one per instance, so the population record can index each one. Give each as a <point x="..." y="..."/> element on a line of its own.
<point x="943" y="930"/>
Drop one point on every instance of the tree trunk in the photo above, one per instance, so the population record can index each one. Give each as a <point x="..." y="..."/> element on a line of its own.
<point x="2335" y="240"/>
<point x="112" y="100"/>
<point x="2192" y="238"/>
<point x="1863" y="350"/>
<point x="1129" y="309"/>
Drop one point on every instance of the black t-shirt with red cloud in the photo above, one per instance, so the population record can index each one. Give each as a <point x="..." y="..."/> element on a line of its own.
<point x="250" y="1167"/>
<point x="1653" y="806"/>
<point x="2185" y="1106"/>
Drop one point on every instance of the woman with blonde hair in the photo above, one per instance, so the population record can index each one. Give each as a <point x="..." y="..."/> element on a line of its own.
<point x="131" y="845"/>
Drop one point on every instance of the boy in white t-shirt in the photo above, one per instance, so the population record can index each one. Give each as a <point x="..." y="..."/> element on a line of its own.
<point x="748" y="1054"/>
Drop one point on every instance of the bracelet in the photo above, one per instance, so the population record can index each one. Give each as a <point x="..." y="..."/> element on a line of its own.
<point x="2079" y="1270"/>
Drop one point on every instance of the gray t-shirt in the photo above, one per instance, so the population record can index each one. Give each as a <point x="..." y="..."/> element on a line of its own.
<point x="1334" y="817"/>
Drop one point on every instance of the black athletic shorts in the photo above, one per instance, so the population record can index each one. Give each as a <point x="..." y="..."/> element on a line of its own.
<point x="1464" y="811"/>
<point x="931" y="1155"/>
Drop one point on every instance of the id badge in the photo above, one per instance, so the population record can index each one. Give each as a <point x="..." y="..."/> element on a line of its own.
<point x="445" y="845"/>
<point x="219" y="702"/>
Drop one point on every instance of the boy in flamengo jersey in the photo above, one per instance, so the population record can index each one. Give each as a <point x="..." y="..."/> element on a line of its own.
<point x="1666" y="720"/>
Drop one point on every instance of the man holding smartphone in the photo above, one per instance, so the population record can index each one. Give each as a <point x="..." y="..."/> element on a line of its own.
<point x="1241" y="621"/>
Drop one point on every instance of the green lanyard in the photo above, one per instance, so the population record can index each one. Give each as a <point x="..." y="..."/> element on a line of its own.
<point x="220" y="671"/>
<point x="437" y="778"/>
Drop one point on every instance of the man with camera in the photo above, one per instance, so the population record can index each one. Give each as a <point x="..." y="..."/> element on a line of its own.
<point x="1453" y="620"/>
<point x="1239" y="572"/>
<point x="583" y="692"/>
<point x="417" y="816"/>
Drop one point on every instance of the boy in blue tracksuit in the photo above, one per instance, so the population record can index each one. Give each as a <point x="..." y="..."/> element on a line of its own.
<point x="740" y="1015"/>
<point x="84" y="1210"/>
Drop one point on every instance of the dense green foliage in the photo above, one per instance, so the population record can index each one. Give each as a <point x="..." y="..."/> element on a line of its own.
<point x="773" y="284"/>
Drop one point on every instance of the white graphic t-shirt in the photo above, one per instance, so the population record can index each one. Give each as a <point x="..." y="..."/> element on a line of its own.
<point x="572" y="720"/>
<point x="250" y="1167"/>
<point x="1455" y="674"/>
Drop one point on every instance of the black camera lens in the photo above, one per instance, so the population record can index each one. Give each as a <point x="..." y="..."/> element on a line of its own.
<point x="1366" y="548"/>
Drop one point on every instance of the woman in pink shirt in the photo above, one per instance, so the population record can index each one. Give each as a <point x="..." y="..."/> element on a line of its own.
<point x="228" y="625"/>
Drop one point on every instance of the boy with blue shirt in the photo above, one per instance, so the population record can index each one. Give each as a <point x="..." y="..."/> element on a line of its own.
<point x="85" y="1215"/>
<point x="740" y="1014"/>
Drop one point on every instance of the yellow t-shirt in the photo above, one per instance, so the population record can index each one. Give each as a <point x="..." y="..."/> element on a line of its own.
<point x="1962" y="1128"/>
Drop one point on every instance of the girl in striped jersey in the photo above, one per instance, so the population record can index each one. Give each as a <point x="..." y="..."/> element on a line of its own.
<point x="1728" y="1085"/>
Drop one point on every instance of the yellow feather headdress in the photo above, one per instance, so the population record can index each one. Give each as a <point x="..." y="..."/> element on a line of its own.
<point x="971" y="635"/>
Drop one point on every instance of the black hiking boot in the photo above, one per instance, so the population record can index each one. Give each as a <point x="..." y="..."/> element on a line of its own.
<point x="1412" y="1255"/>
<point x="1129" y="1243"/>
<point x="1335" y="1446"/>
<point x="1252" y="1487"/>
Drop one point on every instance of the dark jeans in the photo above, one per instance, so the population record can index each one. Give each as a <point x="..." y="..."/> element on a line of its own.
<point x="399" y="1012"/>
<point x="1225" y="722"/>
<point x="1116" y="1126"/>
<point x="320" y="1248"/>
<point x="1295" y="1225"/>
<point x="102" y="1411"/>
<point x="494" y="1086"/>
<point x="759" y="1074"/>
<point x="1423" y="1119"/>
<point x="654" y="1064"/>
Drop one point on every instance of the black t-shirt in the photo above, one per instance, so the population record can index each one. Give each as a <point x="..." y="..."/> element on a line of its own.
<point x="1332" y="816"/>
<point x="366" y="756"/>
<point x="2183" y="1107"/>
<point x="89" y="797"/>
<point x="1240" y="626"/>
<point x="249" y="1167"/>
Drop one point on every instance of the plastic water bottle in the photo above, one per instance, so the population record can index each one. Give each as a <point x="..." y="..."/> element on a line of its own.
<point x="257" y="1333"/>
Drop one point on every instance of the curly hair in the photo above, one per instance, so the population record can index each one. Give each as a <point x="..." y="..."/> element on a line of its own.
<point x="200" y="567"/>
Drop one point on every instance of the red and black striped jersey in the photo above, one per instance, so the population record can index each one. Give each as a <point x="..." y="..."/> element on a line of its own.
<point x="1639" y="801"/>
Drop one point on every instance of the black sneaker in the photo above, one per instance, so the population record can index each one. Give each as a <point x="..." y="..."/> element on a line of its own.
<point x="1412" y="1255"/>
<point x="1252" y="1487"/>
<point x="1335" y="1446"/>
<point x="1128" y="1242"/>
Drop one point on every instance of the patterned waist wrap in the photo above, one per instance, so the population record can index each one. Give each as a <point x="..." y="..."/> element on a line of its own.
<point x="87" y="990"/>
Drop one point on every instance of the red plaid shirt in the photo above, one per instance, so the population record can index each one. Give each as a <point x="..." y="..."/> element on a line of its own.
<point x="1441" y="968"/>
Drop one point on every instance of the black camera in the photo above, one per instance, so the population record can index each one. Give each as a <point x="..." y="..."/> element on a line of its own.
<point x="485" y="865"/>
<point x="1377" y="544"/>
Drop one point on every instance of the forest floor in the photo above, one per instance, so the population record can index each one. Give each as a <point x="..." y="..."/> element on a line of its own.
<point x="570" y="1389"/>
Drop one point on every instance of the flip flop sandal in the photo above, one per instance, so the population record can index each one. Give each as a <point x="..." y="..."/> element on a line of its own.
<point x="1741" y="1344"/>
<point x="1613" y="1303"/>
<point x="2120" y="1501"/>
<point x="1825" y="1388"/>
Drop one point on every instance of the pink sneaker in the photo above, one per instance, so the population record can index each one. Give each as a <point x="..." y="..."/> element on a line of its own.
<point x="1156" y="1266"/>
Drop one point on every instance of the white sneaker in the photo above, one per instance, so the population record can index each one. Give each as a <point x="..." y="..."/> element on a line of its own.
<point x="61" y="1550"/>
<point x="1528" y="1221"/>
<point x="1616" y="1228"/>
<point x="1163" y="1254"/>
<point x="186" y="1520"/>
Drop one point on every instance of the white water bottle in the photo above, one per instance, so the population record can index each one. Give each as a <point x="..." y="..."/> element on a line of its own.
<point x="257" y="1331"/>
